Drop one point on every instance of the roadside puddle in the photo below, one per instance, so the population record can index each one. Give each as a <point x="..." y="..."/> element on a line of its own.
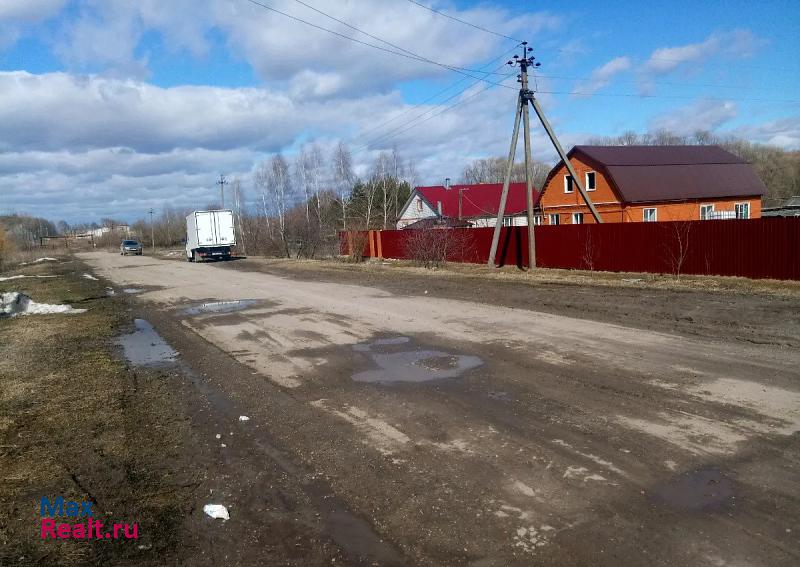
<point x="132" y="290"/>
<point x="220" y="307"/>
<point x="145" y="347"/>
<point x="703" y="489"/>
<point x="397" y="360"/>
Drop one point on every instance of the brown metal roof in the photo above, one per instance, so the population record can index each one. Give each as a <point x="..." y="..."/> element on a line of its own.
<point x="672" y="173"/>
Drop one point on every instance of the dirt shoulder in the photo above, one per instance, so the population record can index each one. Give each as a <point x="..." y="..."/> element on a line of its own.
<point x="744" y="310"/>
<point x="149" y="445"/>
<point x="75" y="422"/>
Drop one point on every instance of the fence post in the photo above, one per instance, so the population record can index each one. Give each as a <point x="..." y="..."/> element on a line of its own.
<point x="370" y="236"/>
<point x="380" y="244"/>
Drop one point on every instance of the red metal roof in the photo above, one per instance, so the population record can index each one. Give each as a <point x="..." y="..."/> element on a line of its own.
<point x="478" y="200"/>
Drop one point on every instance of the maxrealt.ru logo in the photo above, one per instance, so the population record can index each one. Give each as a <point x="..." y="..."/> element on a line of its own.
<point x="78" y="522"/>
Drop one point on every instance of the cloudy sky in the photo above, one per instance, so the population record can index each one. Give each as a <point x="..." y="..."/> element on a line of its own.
<point x="110" y="107"/>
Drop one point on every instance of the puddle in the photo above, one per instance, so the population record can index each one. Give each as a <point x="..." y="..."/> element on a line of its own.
<point x="698" y="490"/>
<point x="132" y="290"/>
<point x="220" y="307"/>
<point x="411" y="364"/>
<point x="145" y="347"/>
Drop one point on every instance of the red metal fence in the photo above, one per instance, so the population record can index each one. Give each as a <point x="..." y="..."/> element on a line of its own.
<point x="756" y="248"/>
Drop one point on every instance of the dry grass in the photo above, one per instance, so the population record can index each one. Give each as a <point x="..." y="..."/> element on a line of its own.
<point x="563" y="277"/>
<point x="76" y="422"/>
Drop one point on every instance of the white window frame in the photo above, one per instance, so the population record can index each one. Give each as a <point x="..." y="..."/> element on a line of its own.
<point x="508" y="220"/>
<point x="538" y="220"/>
<point x="655" y="214"/>
<point x="586" y="180"/>
<point x="578" y="216"/>
<point x="706" y="206"/>
<point x="420" y="205"/>
<point x="552" y="216"/>
<point x="745" y="204"/>
<point x="567" y="184"/>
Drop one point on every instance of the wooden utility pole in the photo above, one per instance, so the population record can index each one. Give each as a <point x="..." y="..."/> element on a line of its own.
<point x="526" y="95"/>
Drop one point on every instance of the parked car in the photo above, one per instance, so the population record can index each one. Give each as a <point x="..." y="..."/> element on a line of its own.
<point x="130" y="247"/>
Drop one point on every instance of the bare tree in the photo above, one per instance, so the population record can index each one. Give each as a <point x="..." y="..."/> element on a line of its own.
<point x="238" y="211"/>
<point x="343" y="177"/>
<point x="275" y="185"/>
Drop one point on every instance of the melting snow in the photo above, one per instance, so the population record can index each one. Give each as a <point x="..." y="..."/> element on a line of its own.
<point x="14" y="303"/>
<point x="89" y="277"/>
<point x="19" y="277"/>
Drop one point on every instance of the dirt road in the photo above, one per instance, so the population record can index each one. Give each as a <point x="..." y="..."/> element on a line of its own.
<point x="459" y="432"/>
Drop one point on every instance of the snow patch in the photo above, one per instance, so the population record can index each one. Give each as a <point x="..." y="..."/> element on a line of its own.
<point x="45" y="259"/>
<point x="216" y="511"/>
<point x="14" y="303"/>
<point x="244" y="418"/>
<point x="89" y="277"/>
<point x="5" y="279"/>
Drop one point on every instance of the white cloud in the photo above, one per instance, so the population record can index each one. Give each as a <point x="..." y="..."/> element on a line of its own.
<point x="784" y="133"/>
<point x="701" y="115"/>
<point x="602" y="76"/>
<point x="106" y="34"/>
<point x="83" y="147"/>
<point x="688" y="58"/>
<point x="29" y="10"/>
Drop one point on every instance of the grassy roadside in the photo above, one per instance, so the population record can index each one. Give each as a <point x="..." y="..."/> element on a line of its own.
<point x="75" y="421"/>
<point x="542" y="276"/>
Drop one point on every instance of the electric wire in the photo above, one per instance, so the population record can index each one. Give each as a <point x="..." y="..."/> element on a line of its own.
<point x="459" y="20"/>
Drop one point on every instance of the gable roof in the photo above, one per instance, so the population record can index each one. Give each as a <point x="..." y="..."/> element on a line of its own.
<point x="478" y="200"/>
<point x="671" y="173"/>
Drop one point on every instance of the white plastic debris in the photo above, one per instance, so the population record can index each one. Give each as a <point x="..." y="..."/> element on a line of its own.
<point x="216" y="511"/>
<point x="89" y="277"/>
<point x="45" y="259"/>
<point x="244" y="418"/>
<point x="219" y="436"/>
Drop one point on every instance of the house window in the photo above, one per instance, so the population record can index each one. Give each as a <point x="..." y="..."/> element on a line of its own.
<point x="591" y="181"/>
<point x="554" y="219"/>
<point x="537" y="220"/>
<point x="577" y="218"/>
<point x="419" y="205"/>
<point x="508" y="221"/>
<point x="742" y="210"/>
<point x="568" y="185"/>
<point x="706" y="212"/>
<point x="650" y="215"/>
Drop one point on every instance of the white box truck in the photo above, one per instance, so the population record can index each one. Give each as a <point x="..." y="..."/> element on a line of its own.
<point x="209" y="234"/>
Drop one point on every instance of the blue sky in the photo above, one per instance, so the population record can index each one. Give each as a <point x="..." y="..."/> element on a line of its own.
<point x="111" y="107"/>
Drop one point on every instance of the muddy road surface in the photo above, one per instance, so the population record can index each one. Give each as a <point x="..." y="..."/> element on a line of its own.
<point x="424" y="429"/>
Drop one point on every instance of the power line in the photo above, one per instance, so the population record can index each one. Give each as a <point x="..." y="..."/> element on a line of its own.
<point x="414" y="122"/>
<point x="459" y="20"/>
<point x="433" y="96"/>
<point x="404" y="53"/>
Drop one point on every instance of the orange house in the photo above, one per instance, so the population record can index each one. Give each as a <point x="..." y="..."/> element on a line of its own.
<point x="651" y="183"/>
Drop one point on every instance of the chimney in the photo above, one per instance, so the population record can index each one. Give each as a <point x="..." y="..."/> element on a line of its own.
<point x="447" y="183"/>
<point x="439" y="208"/>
